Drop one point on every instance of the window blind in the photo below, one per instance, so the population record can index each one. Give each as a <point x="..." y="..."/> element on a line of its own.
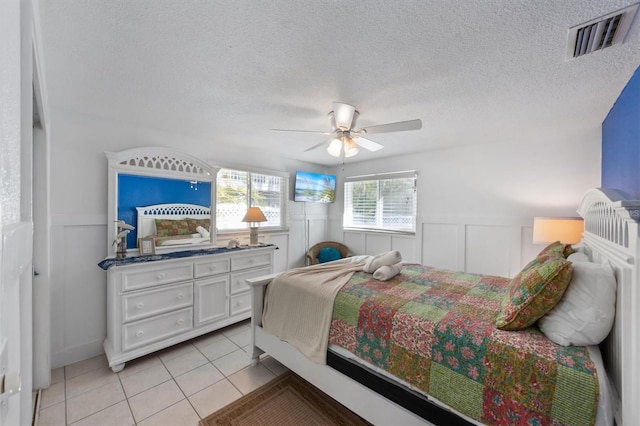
<point x="385" y="202"/>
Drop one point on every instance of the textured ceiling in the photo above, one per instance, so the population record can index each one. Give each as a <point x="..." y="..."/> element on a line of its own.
<point x="227" y="72"/>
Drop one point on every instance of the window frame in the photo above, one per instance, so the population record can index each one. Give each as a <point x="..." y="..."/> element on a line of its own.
<point x="284" y="198"/>
<point x="379" y="206"/>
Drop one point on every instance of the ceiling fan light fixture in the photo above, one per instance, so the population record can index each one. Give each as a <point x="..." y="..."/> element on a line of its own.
<point x="350" y="147"/>
<point x="335" y="147"/>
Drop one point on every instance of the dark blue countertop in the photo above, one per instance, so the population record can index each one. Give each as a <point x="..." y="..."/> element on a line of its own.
<point x="111" y="261"/>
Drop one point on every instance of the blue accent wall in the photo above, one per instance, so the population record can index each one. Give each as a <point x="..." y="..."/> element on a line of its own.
<point x="621" y="141"/>
<point x="139" y="191"/>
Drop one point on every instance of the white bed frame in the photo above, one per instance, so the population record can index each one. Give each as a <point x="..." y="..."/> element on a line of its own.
<point x="611" y="232"/>
<point x="147" y="216"/>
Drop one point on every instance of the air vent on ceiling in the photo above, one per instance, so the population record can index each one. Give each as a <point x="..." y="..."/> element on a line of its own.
<point x="599" y="33"/>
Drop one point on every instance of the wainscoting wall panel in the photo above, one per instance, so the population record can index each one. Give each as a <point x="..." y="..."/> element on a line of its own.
<point x="381" y="243"/>
<point x="78" y="288"/>
<point x="488" y="249"/>
<point x="486" y="246"/>
<point x="440" y="245"/>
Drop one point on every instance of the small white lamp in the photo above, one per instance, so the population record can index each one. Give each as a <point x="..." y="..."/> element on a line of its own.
<point x="254" y="216"/>
<point x="567" y="230"/>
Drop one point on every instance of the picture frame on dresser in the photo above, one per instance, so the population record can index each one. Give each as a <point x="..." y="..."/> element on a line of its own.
<point x="147" y="246"/>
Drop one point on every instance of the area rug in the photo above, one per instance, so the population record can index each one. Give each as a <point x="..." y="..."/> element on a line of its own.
<point x="287" y="400"/>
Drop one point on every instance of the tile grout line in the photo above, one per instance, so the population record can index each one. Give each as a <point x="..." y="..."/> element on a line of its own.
<point x="64" y="376"/>
<point x="126" y="398"/>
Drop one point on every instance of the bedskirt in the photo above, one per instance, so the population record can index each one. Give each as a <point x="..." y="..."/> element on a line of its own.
<point x="434" y="329"/>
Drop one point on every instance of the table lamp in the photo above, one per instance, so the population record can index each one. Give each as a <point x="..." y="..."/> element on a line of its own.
<point x="567" y="230"/>
<point x="254" y="216"/>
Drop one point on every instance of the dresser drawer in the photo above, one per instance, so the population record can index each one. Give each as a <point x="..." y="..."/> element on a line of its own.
<point x="250" y="261"/>
<point x="155" y="275"/>
<point x="240" y="303"/>
<point x="156" y="328"/>
<point x="214" y="266"/>
<point x="238" y="283"/>
<point x="151" y="302"/>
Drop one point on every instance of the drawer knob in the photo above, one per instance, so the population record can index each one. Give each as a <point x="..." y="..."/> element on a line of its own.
<point x="252" y="261"/>
<point x="139" y="333"/>
<point x="161" y="275"/>
<point x="180" y="296"/>
<point x="212" y="267"/>
<point x="140" y="305"/>
<point x="239" y="303"/>
<point x="180" y="321"/>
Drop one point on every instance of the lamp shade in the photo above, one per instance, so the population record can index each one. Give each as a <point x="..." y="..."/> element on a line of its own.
<point x="254" y="214"/>
<point x="350" y="148"/>
<point x="567" y="230"/>
<point x="335" y="148"/>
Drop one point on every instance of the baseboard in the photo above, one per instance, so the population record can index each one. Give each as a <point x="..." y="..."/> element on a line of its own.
<point x="76" y="353"/>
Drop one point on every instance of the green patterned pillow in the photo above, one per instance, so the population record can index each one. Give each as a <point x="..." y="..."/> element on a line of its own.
<point x="534" y="292"/>
<point x="557" y="249"/>
<point x="170" y="227"/>
<point x="194" y="223"/>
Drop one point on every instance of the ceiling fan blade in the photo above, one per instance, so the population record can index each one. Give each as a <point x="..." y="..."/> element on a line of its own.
<point x="343" y="115"/>
<point x="319" y="144"/>
<point x="302" y="131"/>
<point x="368" y="144"/>
<point x="399" y="126"/>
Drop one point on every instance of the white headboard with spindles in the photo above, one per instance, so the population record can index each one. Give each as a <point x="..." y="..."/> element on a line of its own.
<point x="611" y="232"/>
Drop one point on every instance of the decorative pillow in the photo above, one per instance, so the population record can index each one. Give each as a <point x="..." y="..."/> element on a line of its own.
<point x="568" y="250"/>
<point x="534" y="292"/>
<point x="586" y="312"/>
<point x="194" y="223"/>
<point x="170" y="227"/>
<point x="328" y="254"/>
<point x="556" y="249"/>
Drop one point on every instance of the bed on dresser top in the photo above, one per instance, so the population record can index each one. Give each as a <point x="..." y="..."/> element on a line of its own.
<point x="438" y="346"/>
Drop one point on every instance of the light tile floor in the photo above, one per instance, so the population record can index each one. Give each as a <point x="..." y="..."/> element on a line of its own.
<point x="176" y="386"/>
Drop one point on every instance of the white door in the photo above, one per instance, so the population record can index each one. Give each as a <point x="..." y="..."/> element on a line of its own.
<point x="16" y="229"/>
<point x="15" y="322"/>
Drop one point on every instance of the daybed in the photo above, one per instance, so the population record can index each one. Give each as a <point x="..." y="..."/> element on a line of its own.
<point x="174" y="225"/>
<point x="434" y="353"/>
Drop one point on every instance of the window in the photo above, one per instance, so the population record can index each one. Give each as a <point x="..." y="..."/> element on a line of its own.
<point x="384" y="202"/>
<point x="238" y="190"/>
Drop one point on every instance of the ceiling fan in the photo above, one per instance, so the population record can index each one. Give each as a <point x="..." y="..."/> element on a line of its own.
<point x="345" y="138"/>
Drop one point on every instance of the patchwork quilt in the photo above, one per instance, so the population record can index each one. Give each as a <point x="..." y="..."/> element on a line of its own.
<point x="434" y="329"/>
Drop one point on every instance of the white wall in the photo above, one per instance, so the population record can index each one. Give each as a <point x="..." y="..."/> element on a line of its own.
<point x="79" y="218"/>
<point x="476" y="203"/>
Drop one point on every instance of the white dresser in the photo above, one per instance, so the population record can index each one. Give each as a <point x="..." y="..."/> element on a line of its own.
<point x="156" y="304"/>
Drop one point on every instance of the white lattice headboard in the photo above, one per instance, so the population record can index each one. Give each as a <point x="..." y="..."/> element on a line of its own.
<point x="611" y="232"/>
<point x="147" y="215"/>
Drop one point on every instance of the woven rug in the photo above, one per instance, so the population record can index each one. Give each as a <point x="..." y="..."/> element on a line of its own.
<point x="287" y="400"/>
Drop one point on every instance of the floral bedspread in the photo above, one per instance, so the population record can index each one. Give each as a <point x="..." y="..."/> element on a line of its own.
<point x="435" y="330"/>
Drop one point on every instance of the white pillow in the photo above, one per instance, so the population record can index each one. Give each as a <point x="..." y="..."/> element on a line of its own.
<point x="584" y="316"/>
<point x="578" y="257"/>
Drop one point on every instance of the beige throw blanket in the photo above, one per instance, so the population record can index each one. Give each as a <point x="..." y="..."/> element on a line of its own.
<point x="299" y="305"/>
